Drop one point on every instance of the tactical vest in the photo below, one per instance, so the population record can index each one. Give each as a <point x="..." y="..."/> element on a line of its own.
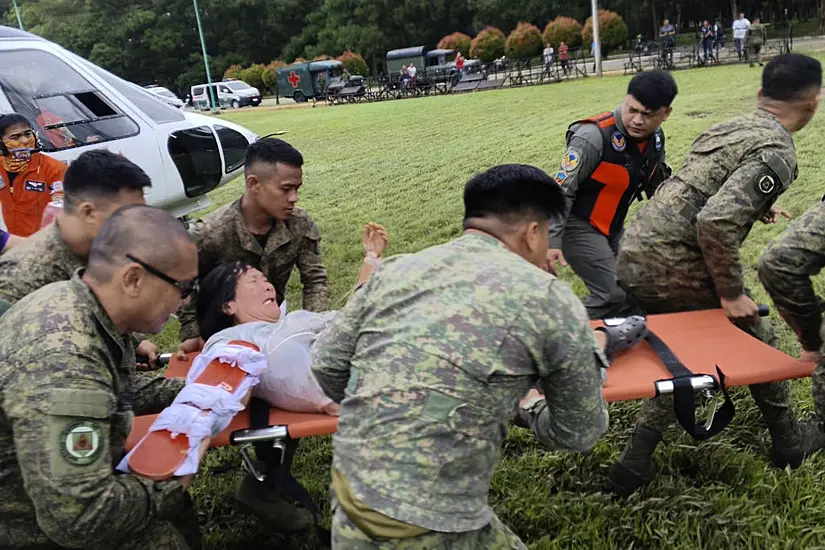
<point x="605" y="196"/>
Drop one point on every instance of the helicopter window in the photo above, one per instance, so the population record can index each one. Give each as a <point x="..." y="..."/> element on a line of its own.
<point x="66" y="108"/>
<point x="195" y="154"/>
<point x="144" y="100"/>
<point x="234" y="146"/>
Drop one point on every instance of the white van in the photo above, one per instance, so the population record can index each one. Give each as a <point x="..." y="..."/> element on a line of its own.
<point x="77" y="106"/>
<point x="229" y="93"/>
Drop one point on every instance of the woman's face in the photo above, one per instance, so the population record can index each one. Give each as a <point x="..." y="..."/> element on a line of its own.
<point x="254" y="299"/>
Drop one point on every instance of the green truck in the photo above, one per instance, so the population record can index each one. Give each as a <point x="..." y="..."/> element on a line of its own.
<point x="432" y="66"/>
<point x="308" y="79"/>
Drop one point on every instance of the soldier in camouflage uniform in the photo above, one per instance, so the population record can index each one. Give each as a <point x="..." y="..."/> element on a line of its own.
<point x="266" y="230"/>
<point x="681" y="251"/>
<point x="785" y="270"/>
<point x="96" y="184"/>
<point x="430" y="358"/>
<point x="68" y="395"/>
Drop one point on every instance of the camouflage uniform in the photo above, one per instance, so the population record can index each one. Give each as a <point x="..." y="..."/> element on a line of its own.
<point x="785" y="269"/>
<point x="681" y="252"/>
<point x="222" y="236"/>
<point x="39" y="260"/>
<point x="68" y="396"/>
<point x="429" y="360"/>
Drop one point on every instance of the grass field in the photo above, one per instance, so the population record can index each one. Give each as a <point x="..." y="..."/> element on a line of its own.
<point x="403" y="164"/>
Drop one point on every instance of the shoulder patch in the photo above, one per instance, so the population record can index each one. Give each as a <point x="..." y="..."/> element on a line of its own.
<point x="80" y="442"/>
<point x="766" y="183"/>
<point x="618" y="141"/>
<point x="779" y="167"/>
<point x="560" y="177"/>
<point x="570" y="162"/>
<point x="658" y="141"/>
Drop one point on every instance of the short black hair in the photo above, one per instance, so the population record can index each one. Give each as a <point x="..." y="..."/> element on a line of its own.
<point x="216" y="290"/>
<point x="100" y="175"/>
<point x="271" y="151"/>
<point x="147" y="232"/>
<point x="513" y="193"/>
<point x="788" y="76"/>
<point x="12" y="119"/>
<point x="653" y="89"/>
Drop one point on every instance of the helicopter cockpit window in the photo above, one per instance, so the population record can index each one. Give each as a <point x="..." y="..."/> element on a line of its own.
<point x="153" y="107"/>
<point x="66" y="108"/>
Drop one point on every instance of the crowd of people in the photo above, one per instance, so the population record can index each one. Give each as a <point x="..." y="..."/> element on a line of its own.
<point x="434" y="355"/>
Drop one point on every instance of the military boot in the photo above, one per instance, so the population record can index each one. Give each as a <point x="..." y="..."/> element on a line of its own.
<point x="791" y="441"/>
<point x="635" y="468"/>
<point x="262" y="499"/>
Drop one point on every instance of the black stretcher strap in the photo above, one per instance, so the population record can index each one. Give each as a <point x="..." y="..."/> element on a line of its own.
<point x="684" y="397"/>
<point x="283" y="480"/>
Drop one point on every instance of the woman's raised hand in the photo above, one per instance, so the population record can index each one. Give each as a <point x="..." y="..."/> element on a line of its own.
<point x="375" y="239"/>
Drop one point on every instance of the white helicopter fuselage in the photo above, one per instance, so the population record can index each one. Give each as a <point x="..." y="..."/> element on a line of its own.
<point x="77" y="106"/>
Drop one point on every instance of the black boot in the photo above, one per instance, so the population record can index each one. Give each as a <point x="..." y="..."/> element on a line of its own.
<point x="791" y="441"/>
<point x="635" y="468"/>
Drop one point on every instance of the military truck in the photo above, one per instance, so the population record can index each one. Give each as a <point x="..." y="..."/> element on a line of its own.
<point x="308" y="79"/>
<point x="432" y="66"/>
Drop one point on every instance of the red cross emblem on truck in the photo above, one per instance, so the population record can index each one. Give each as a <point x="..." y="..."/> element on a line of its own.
<point x="294" y="79"/>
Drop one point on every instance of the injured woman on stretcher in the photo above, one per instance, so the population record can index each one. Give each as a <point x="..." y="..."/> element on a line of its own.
<point x="237" y="303"/>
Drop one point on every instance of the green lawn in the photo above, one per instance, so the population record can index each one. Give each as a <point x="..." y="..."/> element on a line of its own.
<point x="403" y="164"/>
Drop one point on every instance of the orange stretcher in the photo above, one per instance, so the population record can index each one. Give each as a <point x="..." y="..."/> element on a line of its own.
<point x="716" y="355"/>
<point x="283" y="425"/>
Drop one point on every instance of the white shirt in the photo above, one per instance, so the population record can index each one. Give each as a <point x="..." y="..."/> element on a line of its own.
<point x="740" y="26"/>
<point x="548" y="54"/>
<point x="412" y="70"/>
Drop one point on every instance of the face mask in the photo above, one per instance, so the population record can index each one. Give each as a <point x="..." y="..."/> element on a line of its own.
<point x="20" y="154"/>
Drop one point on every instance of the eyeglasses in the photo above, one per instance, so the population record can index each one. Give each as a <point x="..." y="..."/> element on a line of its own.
<point x="186" y="288"/>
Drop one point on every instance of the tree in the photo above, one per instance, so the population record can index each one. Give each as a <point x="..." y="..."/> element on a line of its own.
<point x="268" y="76"/>
<point x="458" y="41"/>
<point x="524" y="41"/>
<point x="563" y="29"/>
<point x="612" y="30"/>
<point x="488" y="45"/>
<point x="354" y="63"/>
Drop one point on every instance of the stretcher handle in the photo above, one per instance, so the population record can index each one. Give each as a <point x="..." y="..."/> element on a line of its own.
<point x="253" y="435"/>
<point x="698" y="382"/>
<point x="163" y="358"/>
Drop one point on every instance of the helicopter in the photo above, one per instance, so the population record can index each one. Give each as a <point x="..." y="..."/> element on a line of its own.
<point x="76" y="106"/>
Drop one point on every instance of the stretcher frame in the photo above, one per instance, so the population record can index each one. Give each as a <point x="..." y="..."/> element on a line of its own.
<point x="640" y="365"/>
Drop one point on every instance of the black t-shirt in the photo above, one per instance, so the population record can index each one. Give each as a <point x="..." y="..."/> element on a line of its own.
<point x="261" y="239"/>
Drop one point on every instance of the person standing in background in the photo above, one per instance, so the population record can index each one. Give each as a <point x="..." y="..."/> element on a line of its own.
<point x="740" y="28"/>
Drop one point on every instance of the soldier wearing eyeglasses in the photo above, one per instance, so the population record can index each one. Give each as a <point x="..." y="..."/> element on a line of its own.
<point x="69" y="393"/>
<point x="96" y="184"/>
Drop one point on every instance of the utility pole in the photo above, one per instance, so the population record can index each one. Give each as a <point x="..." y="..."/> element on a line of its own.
<point x="211" y="94"/>
<point x="597" y="51"/>
<point x="19" y="19"/>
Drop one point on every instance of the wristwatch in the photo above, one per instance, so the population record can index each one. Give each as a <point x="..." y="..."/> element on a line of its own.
<point x="372" y="259"/>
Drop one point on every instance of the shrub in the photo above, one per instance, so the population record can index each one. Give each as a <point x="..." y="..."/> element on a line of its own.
<point x="612" y="29"/>
<point x="488" y="45"/>
<point x="322" y="57"/>
<point x="354" y="63"/>
<point x="563" y="29"/>
<point x="234" y="71"/>
<point x="253" y="75"/>
<point x="268" y="76"/>
<point x="456" y="41"/>
<point x="299" y="60"/>
<point x="524" y="41"/>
